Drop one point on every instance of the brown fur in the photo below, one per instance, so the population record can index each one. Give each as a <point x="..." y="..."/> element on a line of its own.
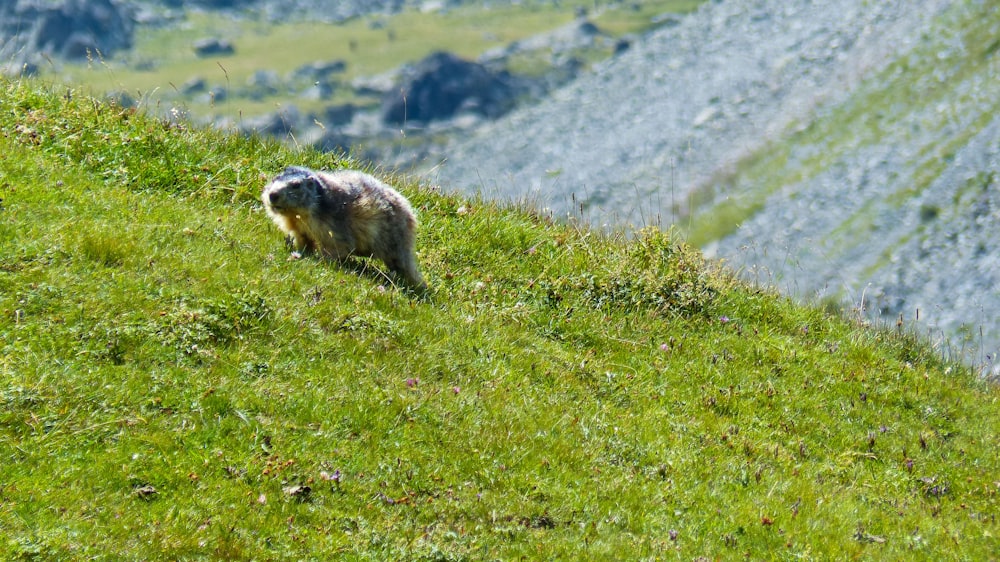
<point x="345" y="213"/>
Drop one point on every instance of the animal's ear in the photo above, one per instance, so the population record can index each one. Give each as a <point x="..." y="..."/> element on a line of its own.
<point x="295" y="175"/>
<point x="313" y="182"/>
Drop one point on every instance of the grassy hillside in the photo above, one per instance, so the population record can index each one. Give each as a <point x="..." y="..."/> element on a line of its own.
<point x="173" y="387"/>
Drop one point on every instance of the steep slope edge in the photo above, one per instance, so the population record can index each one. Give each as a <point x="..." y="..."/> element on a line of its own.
<point x="821" y="146"/>
<point x="891" y="193"/>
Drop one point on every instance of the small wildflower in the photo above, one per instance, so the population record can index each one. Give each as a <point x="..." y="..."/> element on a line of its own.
<point x="335" y="477"/>
<point x="412" y="382"/>
<point x="724" y="319"/>
<point x="456" y="389"/>
<point x="664" y="347"/>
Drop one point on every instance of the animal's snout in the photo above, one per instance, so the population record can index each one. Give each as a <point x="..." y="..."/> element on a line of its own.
<point x="274" y="197"/>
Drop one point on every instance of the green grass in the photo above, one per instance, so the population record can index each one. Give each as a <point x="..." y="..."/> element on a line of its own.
<point x="162" y="59"/>
<point x="170" y="382"/>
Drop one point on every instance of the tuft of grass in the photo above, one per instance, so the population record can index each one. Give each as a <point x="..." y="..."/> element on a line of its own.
<point x="172" y="386"/>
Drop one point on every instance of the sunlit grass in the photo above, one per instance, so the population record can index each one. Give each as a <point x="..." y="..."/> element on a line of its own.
<point x="173" y="386"/>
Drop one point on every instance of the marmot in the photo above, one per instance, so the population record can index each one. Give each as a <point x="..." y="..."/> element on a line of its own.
<point x="345" y="213"/>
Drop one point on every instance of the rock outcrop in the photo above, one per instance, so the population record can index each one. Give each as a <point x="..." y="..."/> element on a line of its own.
<point x="442" y="85"/>
<point x="68" y="29"/>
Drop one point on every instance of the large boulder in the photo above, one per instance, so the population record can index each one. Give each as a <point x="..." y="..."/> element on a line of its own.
<point x="69" y="29"/>
<point x="442" y="85"/>
<point x="213" y="46"/>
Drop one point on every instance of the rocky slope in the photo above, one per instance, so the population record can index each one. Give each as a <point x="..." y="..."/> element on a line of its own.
<point x="841" y="149"/>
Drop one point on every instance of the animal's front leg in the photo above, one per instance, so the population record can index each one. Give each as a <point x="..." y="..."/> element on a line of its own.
<point x="339" y="244"/>
<point x="297" y="244"/>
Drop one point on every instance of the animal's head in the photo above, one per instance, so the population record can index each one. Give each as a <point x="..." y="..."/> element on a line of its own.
<point x="294" y="188"/>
